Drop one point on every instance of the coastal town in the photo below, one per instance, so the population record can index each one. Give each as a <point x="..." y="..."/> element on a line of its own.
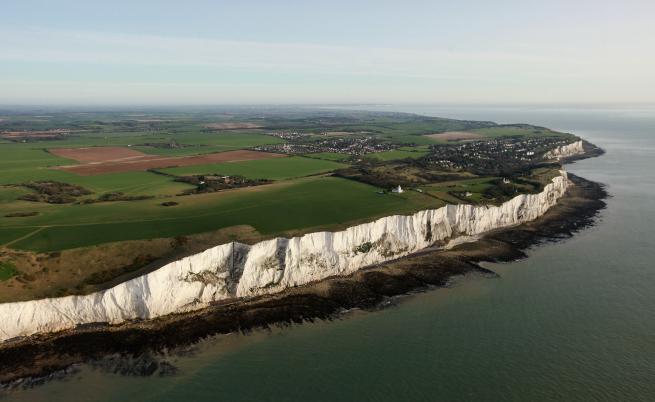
<point x="305" y="144"/>
<point x="493" y="156"/>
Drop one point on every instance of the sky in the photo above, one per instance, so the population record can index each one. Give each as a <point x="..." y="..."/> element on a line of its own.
<point x="195" y="52"/>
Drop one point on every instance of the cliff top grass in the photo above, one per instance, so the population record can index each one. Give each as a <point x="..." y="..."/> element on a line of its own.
<point x="288" y="205"/>
<point x="491" y="190"/>
<point x="273" y="169"/>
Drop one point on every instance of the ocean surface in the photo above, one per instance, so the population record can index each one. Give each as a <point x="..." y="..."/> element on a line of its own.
<point x="573" y="322"/>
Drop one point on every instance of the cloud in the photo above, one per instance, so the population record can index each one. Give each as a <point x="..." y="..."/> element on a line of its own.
<point x="312" y="72"/>
<point x="37" y="45"/>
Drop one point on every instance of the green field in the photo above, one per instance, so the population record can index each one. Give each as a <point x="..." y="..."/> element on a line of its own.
<point x="305" y="203"/>
<point x="515" y="131"/>
<point x="272" y="169"/>
<point x="330" y="156"/>
<point x="475" y="186"/>
<point x="130" y="183"/>
<point x="207" y="142"/>
<point x="10" y="234"/>
<point x="199" y="142"/>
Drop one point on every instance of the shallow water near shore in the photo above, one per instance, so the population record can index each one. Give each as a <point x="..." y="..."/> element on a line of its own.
<point x="575" y="321"/>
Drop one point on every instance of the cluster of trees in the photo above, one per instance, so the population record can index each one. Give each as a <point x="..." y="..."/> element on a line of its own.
<point x="217" y="182"/>
<point x="53" y="192"/>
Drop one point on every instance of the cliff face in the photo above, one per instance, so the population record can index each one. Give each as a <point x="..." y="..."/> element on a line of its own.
<point x="237" y="270"/>
<point x="564" y="151"/>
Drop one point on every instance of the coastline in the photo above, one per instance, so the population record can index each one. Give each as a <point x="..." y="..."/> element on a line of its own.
<point x="41" y="357"/>
<point x="235" y="272"/>
<point x="133" y="347"/>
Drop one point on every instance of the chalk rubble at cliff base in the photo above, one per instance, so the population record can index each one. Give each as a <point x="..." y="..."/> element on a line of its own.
<point x="238" y="270"/>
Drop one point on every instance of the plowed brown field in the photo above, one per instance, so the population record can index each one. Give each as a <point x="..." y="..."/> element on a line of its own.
<point x="100" y="160"/>
<point x="455" y="136"/>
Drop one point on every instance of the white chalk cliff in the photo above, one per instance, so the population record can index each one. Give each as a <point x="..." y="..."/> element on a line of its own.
<point x="237" y="270"/>
<point x="565" y="151"/>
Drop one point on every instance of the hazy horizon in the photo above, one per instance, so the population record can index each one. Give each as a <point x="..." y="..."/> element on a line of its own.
<point x="160" y="53"/>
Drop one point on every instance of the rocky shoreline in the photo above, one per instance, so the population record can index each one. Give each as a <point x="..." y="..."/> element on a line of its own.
<point x="132" y="348"/>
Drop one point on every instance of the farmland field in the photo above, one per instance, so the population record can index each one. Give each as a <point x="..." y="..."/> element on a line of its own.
<point x="519" y="130"/>
<point x="312" y="202"/>
<point x="474" y="187"/>
<point x="330" y="156"/>
<point x="273" y="169"/>
<point x="141" y="162"/>
<point x="456" y="136"/>
<point x="194" y="143"/>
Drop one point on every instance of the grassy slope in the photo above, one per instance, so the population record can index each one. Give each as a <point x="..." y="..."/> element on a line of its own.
<point x="19" y="164"/>
<point x="475" y="186"/>
<point x="513" y="131"/>
<point x="330" y="156"/>
<point x="203" y="141"/>
<point x="7" y="270"/>
<point x="8" y="234"/>
<point x="507" y="131"/>
<point x="206" y="142"/>
<point x="272" y="209"/>
<point x="274" y="169"/>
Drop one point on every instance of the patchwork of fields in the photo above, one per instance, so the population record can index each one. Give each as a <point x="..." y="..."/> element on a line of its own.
<point x="89" y="199"/>
<point x="273" y="169"/>
<point x="122" y="162"/>
<point x="106" y="164"/>
<point x="118" y="159"/>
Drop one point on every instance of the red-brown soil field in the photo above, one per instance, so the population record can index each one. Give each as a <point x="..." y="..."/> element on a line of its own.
<point x="100" y="160"/>
<point x="455" y="136"/>
<point x="231" y="126"/>
<point x="99" y="154"/>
